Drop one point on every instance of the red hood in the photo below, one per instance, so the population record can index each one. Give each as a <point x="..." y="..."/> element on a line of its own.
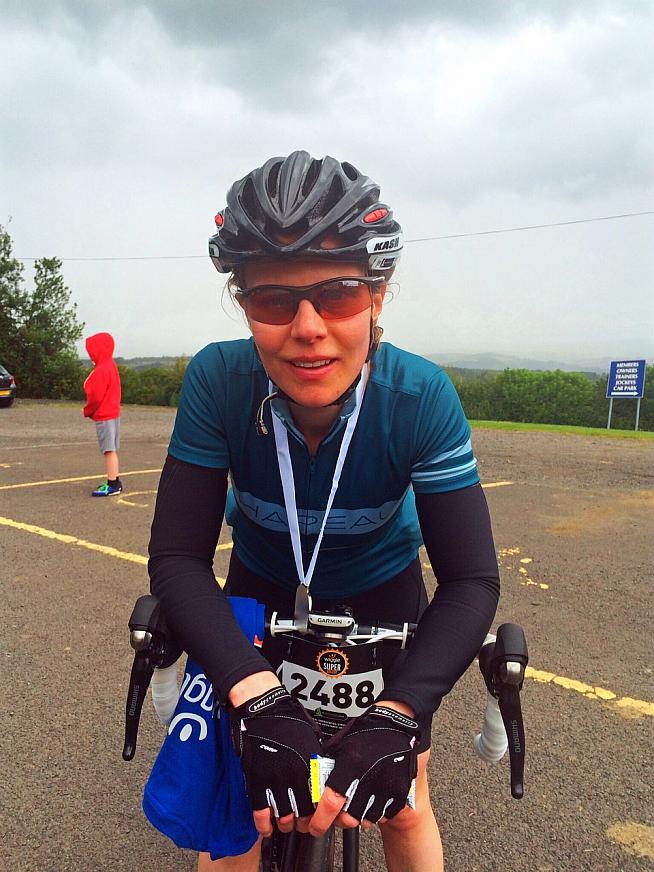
<point x="100" y="347"/>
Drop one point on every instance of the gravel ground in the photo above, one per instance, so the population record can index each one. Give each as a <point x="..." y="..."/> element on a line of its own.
<point x="573" y="530"/>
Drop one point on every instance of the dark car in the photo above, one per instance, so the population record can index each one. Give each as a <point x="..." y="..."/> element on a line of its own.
<point x="7" y="387"/>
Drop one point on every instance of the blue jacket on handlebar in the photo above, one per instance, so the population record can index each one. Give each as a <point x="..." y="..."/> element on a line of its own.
<point x="196" y="794"/>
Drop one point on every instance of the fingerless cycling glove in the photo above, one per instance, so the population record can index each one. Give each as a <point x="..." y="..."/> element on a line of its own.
<point x="375" y="763"/>
<point x="275" y="739"/>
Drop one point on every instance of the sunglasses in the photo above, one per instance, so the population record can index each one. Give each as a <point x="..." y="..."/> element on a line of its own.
<point x="333" y="299"/>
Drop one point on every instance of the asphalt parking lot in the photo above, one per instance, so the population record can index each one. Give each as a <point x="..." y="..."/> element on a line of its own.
<point x="573" y="521"/>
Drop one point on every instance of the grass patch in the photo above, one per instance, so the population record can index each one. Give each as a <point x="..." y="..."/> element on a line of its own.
<point x="564" y="428"/>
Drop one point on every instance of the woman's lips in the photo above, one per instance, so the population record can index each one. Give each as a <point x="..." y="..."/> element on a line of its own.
<point x="309" y="370"/>
<point x="312" y="364"/>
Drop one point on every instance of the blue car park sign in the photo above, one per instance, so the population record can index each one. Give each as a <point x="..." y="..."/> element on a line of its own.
<point x="626" y="379"/>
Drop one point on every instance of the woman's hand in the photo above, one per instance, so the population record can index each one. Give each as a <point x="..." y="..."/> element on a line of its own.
<point x="275" y="740"/>
<point x="375" y="764"/>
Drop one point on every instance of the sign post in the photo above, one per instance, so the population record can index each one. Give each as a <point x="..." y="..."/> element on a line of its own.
<point x="626" y="379"/>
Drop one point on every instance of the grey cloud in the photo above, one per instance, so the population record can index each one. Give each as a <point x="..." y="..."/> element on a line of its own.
<point x="276" y="54"/>
<point x="208" y="22"/>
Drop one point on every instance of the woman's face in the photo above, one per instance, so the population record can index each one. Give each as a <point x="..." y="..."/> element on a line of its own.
<point x="337" y="349"/>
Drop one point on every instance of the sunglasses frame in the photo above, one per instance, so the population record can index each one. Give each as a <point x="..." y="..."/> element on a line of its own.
<point x="305" y="292"/>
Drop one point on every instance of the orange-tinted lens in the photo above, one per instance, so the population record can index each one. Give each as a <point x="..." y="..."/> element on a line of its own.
<point x="341" y="299"/>
<point x="271" y="305"/>
<point x="331" y="299"/>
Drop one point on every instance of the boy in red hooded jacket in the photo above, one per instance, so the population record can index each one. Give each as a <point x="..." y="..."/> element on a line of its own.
<point x="102" y="389"/>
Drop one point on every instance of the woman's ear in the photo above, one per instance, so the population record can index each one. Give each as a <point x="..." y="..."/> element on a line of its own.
<point x="378" y="302"/>
<point x="243" y="312"/>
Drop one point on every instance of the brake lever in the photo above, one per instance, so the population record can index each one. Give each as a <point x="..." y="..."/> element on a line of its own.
<point x="509" y="702"/>
<point x="153" y="649"/>
<point x="503" y="667"/>
<point x="139" y="681"/>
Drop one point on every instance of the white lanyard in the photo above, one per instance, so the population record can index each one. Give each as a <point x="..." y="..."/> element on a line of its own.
<point x="288" y="482"/>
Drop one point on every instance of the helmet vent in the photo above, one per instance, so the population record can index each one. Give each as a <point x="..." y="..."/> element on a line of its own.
<point x="272" y="180"/>
<point x="311" y="177"/>
<point x="333" y="196"/>
<point x="350" y="171"/>
<point x="250" y="203"/>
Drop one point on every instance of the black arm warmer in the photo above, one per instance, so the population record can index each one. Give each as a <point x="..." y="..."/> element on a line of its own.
<point x="457" y="533"/>
<point x="187" y="520"/>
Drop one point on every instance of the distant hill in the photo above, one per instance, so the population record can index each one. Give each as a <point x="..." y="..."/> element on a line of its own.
<point x="144" y="362"/>
<point x="481" y="362"/>
<point x="471" y="364"/>
<point x="491" y="361"/>
<point x="150" y="362"/>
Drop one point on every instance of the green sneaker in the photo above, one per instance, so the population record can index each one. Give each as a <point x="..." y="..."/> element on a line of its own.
<point x="107" y="490"/>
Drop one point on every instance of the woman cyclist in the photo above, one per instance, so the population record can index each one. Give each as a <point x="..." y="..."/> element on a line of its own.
<point x="344" y="455"/>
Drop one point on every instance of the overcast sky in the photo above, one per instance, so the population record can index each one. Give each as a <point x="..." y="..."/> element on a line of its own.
<point x="122" y="125"/>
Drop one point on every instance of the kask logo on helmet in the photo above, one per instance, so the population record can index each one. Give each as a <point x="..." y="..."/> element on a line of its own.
<point x="384" y="243"/>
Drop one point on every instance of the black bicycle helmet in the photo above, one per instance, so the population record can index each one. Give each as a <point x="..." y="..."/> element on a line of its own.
<point x="297" y="206"/>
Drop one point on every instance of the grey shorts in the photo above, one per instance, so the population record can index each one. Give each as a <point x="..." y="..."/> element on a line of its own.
<point x="108" y="434"/>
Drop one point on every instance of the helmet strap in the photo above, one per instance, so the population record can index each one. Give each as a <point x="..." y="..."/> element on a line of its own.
<point x="376" y="334"/>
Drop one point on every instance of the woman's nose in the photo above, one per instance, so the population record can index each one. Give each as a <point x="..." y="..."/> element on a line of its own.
<point x="307" y="323"/>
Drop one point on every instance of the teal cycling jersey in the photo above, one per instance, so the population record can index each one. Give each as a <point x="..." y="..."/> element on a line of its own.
<point x="411" y="436"/>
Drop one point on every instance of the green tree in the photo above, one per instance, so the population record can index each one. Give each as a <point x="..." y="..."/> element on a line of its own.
<point x="553" y="397"/>
<point x="153" y="386"/>
<point x="477" y="394"/>
<point x="38" y="328"/>
<point x="12" y="297"/>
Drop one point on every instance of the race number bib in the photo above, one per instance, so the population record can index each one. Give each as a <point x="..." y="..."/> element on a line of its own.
<point x="333" y="683"/>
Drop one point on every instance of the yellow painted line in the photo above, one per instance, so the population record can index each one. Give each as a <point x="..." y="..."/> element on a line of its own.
<point x="82" y="543"/>
<point x="140" y="472"/>
<point x="625" y="705"/>
<point x="225" y="546"/>
<point x="527" y="581"/>
<point x="635" y="708"/>
<point x="508" y="552"/>
<point x="128" y="502"/>
<point x="53" y="444"/>
<point x="73" y="540"/>
<point x="77" y="478"/>
<point x="637" y="839"/>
